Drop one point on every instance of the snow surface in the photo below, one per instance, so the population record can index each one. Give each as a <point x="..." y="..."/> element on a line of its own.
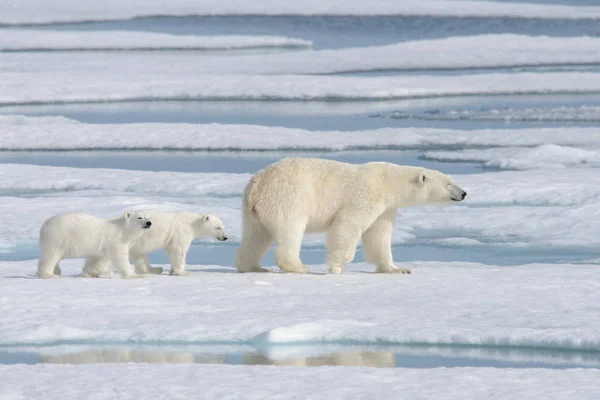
<point x="543" y="156"/>
<point x="40" y="11"/>
<point x="28" y="133"/>
<point x="481" y="51"/>
<point x="80" y="86"/>
<point x="531" y="306"/>
<point x="100" y="382"/>
<point x="28" y="40"/>
<point x="13" y="119"/>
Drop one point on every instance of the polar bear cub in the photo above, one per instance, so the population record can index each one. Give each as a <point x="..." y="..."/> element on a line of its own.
<point x="77" y="235"/>
<point x="350" y="202"/>
<point x="172" y="231"/>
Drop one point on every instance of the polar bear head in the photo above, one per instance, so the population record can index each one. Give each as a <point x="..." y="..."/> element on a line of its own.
<point x="137" y="220"/>
<point x="211" y="226"/>
<point x="434" y="187"/>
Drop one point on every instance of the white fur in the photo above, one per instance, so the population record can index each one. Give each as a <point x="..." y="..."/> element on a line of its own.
<point x="172" y="231"/>
<point x="348" y="201"/>
<point x="78" y="235"/>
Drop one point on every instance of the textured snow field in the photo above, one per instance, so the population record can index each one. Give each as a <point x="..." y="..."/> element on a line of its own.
<point x="533" y="306"/>
<point x="32" y="40"/>
<point x="40" y="11"/>
<point x="534" y="200"/>
<point x="230" y="382"/>
<point x="75" y="86"/>
<point x="480" y="51"/>
<point x="56" y="133"/>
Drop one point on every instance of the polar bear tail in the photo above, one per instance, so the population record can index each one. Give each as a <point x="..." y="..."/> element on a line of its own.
<point x="250" y="198"/>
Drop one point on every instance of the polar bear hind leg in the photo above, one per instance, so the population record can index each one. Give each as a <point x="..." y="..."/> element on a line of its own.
<point x="287" y="251"/>
<point x="96" y="267"/>
<point x="48" y="264"/>
<point x="256" y="240"/>
<point x="142" y="265"/>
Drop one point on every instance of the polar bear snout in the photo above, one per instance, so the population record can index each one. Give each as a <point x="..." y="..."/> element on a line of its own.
<point x="148" y="225"/>
<point x="222" y="237"/>
<point x="460" y="196"/>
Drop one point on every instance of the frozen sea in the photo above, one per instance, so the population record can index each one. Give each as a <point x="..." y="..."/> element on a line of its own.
<point x="106" y="107"/>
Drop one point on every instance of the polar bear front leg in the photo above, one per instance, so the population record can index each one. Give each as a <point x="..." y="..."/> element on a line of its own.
<point x="177" y="256"/>
<point x="48" y="264"/>
<point x="377" y="244"/>
<point x="120" y="260"/>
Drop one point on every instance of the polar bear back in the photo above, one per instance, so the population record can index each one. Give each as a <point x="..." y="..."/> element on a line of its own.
<point x="167" y="227"/>
<point x="79" y="234"/>
<point x="315" y="191"/>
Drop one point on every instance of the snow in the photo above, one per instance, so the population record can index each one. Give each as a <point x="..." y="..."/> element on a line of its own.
<point x="99" y="382"/>
<point x="480" y="51"/>
<point x="38" y="40"/>
<point x="40" y="11"/>
<point x="11" y="119"/>
<point x="80" y="86"/>
<point x="543" y="156"/>
<point x="531" y="306"/>
<point x="31" y="134"/>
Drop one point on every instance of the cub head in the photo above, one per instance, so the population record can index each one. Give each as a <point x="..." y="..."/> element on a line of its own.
<point x="435" y="187"/>
<point x="211" y="226"/>
<point x="138" y="219"/>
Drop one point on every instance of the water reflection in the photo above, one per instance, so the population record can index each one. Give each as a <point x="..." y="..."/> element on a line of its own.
<point x="308" y="356"/>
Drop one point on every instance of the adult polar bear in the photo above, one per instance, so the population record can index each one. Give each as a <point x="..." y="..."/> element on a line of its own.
<point x="295" y="196"/>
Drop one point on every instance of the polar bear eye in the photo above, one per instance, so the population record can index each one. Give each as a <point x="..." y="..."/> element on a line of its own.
<point x="140" y="218"/>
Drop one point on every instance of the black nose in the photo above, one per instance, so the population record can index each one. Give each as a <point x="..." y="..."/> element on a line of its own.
<point x="225" y="238"/>
<point x="464" y="194"/>
<point x="148" y="223"/>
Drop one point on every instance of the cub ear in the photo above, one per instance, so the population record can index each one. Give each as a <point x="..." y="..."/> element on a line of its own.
<point x="127" y="214"/>
<point x="422" y="178"/>
<point x="206" y="218"/>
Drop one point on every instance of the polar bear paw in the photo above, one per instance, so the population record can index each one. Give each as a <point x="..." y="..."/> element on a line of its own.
<point x="180" y="273"/>
<point x="392" y="269"/>
<point x="155" y="270"/>
<point x="48" y="276"/>
<point x="133" y="276"/>
<point x="335" y="270"/>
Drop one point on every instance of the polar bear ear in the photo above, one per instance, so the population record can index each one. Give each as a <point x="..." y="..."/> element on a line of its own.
<point x="206" y="218"/>
<point x="422" y="178"/>
<point x="127" y="214"/>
